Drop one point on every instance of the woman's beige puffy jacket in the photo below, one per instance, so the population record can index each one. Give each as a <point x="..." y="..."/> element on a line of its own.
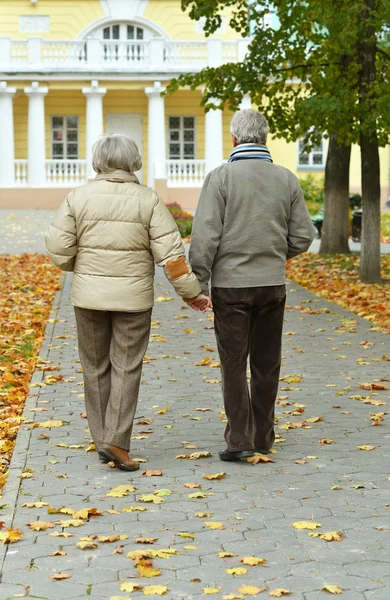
<point x="110" y="233"/>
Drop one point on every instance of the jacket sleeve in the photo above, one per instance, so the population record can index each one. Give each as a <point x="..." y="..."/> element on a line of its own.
<point x="207" y="229"/>
<point x="61" y="239"/>
<point x="301" y="230"/>
<point x="168" y="252"/>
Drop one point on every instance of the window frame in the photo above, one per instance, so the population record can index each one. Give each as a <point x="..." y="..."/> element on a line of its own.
<point x="181" y="140"/>
<point x="64" y="134"/>
<point x="311" y="166"/>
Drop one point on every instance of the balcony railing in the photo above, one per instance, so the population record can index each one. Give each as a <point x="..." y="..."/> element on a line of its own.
<point x="21" y="172"/>
<point x="35" y="54"/>
<point x="66" y="172"/>
<point x="185" y="173"/>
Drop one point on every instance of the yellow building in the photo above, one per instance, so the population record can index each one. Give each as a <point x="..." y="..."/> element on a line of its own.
<point x="71" y="70"/>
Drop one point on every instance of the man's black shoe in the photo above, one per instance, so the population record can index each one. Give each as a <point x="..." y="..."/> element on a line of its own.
<point x="230" y="456"/>
<point x="262" y="450"/>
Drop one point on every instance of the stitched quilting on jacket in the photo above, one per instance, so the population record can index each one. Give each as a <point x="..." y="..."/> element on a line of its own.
<point x="111" y="232"/>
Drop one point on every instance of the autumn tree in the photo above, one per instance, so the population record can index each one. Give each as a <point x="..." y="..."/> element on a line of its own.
<point x="323" y="70"/>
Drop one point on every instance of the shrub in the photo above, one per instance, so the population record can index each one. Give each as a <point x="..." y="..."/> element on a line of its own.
<point x="183" y="219"/>
<point x="313" y="192"/>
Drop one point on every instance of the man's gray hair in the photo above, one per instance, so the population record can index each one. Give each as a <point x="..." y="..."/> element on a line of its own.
<point x="249" y="127"/>
<point x="113" y="152"/>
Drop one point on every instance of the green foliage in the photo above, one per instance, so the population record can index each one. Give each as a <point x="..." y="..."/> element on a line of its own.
<point x="313" y="192"/>
<point x="305" y="76"/>
<point x="183" y="219"/>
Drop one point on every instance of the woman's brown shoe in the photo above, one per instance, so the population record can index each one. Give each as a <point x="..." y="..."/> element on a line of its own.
<point x="117" y="456"/>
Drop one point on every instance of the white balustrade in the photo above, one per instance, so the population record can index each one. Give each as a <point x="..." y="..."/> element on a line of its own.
<point x="19" y="52"/>
<point x="185" y="173"/>
<point x="97" y="54"/>
<point x="66" y="172"/>
<point x="186" y="54"/>
<point x="125" y="53"/>
<point x="229" y="52"/>
<point x="21" y="171"/>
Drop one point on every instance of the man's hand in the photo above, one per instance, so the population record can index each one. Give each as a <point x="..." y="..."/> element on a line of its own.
<point x="199" y="303"/>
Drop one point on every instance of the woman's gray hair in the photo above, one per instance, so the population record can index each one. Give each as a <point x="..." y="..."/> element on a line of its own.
<point x="249" y="127"/>
<point x="113" y="152"/>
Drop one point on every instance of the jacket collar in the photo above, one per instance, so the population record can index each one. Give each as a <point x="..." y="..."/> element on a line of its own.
<point x="118" y="176"/>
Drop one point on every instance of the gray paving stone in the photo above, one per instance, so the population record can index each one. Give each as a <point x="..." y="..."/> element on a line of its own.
<point x="266" y="498"/>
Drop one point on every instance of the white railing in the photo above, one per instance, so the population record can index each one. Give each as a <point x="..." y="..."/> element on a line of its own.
<point x="63" y="53"/>
<point x="66" y="172"/>
<point x="18" y="52"/>
<point x="185" y="173"/>
<point x="118" y="53"/>
<point x="21" y="172"/>
<point x="186" y="53"/>
<point x="229" y="52"/>
<point x="128" y="55"/>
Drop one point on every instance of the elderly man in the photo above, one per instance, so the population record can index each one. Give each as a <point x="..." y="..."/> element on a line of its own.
<point x="251" y="218"/>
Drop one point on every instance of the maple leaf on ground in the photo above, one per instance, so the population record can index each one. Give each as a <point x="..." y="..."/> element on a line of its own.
<point x="61" y="576"/>
<point x="250" y="590"/>
<point x="150" y="498"/>
<point x="192" y="486"/>
<point x="374" y="386"/>
<point x="139" y="540"/>
<point x="40" y="525"/>
<point x="259" y="458"/>
<point x="120" y="491"/>
<point x="146" y="569"/>
<point x="253" y="561"/>
<point x="366" y="447"/>
<point x="332" y="589"/>
<point x="151" y="473"/>
<point x="326" y="441"/>
<point x="214" y="525"/>
<point x="226" y="554"/>
<point x="86" y="513"/>
<point x="127" y="586"/>
<point x="159" y="590"/>
<point x="72" y="523"/>
<point x="279" y="592"/>
<point x="10" y="536"/>
<point x="216" y="476"/>
<point x="236" y="571"/>
<point x="329" y="536"/>
<point x="306" y="525"/>
<point x="87" y="544"/>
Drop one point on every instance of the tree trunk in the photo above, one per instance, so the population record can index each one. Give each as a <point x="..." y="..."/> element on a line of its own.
<point x="370" y="263"/>
<point x="334" y="238"/>
<point x="370" y="259"/>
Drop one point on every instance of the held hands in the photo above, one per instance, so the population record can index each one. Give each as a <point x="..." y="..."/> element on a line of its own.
<point x="200" y="303"/>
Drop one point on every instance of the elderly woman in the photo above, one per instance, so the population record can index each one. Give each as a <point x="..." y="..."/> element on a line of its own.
<point x="110" y="233"/>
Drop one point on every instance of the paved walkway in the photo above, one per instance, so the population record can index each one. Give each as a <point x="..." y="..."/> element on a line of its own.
<point x="328" y="351"/>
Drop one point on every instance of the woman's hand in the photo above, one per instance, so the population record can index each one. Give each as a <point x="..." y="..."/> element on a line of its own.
<point x="200" y="303"/>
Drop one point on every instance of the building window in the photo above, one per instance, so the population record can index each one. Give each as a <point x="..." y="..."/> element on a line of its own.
<point x="123" y="32"/>
<point x="181" y="138"/>
<point x="65" y="137"/>
<point x="311" y="158"/>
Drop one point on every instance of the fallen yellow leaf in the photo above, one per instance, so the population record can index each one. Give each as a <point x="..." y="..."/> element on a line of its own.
<point x="278" y="592"/>
<point x="120" y="491"/>
<point x="146" y="569"/>
<point x="253" y="561"/>
<point x="160" y="590"/>
<point x="61" y="576"/>
<point x="329" y="536"/>
<point x="40" y="525"/>
<point x="214" y="525"/>
<point x="366" y="447"/>
<point x="306" y="525"/>
<point x="130" y="587"/>
<point x="214" y="590"/>
<point x="250" y="590"/>
<point x="236" y="571"/>
<point x="10" y="536"/>
<point x="216" y="476"/>
<point x="226" y="554"/>
<point x="332" y="589"/>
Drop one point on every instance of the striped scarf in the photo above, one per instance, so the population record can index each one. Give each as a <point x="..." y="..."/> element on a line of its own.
<point x="250" y="151"/>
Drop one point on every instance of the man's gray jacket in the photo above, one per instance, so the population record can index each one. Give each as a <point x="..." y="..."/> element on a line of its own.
<point x="251" y="217"/>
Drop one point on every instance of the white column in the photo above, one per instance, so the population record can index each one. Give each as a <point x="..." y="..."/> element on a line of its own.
<point x="36" y="134"/>
<point x="95" y="128"/>
<point x="7" y="150"/>
<point x="156" y="133"/>
<point x="214" y="139"/>
<point x="246" y="102"/>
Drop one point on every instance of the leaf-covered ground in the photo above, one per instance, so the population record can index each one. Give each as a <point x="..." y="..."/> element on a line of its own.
<point x="336" y="278"/>
<point x="28" y="284"/>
